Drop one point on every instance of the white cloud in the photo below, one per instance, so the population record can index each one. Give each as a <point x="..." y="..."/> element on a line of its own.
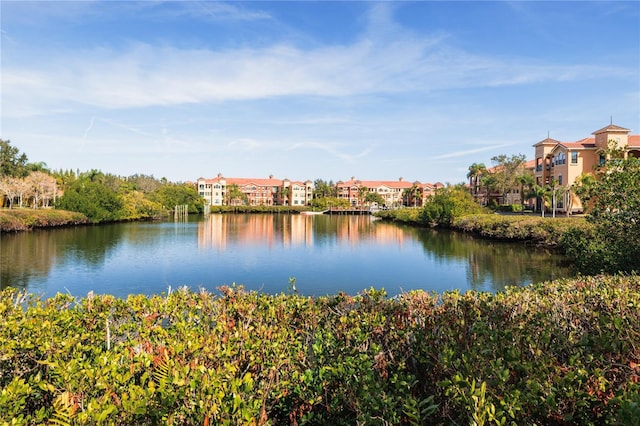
<point x="389" y="61"/>
<point x="332" y="150"/>
<point x="466" y="152"/>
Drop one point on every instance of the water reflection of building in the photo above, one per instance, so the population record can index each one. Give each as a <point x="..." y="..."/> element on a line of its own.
<point x="356" y="229"/>
<point x="218" y="230"/>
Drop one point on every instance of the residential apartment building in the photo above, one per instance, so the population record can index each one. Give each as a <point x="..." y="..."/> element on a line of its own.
<point x="564" y="162"/>
<point x="395" y="193"/>
<point x="277" y="192"/>
<point x="258" y="192"/>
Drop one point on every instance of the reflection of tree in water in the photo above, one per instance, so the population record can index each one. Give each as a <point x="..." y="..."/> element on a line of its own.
<point x="24" y="256"/>
<point x="90" y="244"/>
<point x="499" y="263"/>
<point x="27" y="256"/>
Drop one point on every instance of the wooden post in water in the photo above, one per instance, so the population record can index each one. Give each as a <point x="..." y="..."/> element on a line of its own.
<point x="181" y="211"/>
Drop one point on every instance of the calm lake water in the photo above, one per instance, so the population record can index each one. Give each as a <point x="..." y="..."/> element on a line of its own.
<point x="325" y="254"/>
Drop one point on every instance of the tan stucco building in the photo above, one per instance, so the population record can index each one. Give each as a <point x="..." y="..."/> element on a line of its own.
<point x="394" y="192"/>
<point x="564" y="162"/>
<point x="259" y="191"/>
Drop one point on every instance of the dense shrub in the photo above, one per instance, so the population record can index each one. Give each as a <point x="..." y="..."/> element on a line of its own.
<point x="510" y="208"/>
<point x="564" y="352"/>
<point x="171" y="195"/>
<point x="546" y="231"/>
<point x="613" y="199"/>
<point x="447" y="204"/>
<point x="93" y="199"/>
<point x="406" y="215"/>
<point x="441" y="209"/>
<point x="25" y="219"/>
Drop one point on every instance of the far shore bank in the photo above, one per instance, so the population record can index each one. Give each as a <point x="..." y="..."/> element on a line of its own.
<point x="526" y="228"/>
<point x="27" y="219"/>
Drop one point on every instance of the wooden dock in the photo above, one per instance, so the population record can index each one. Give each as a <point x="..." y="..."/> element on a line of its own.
<point x="350" y="211"/>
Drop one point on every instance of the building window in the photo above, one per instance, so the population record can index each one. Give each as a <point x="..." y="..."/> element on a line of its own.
<point x="559" y="179"/>
<point x="602" y="159"/>
<point x="574" y="157"/>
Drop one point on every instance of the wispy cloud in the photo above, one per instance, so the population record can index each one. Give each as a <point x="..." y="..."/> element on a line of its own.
<point x="331" y="149"/>
<point x="384" y="61"/>
<point x="467" y="152"/>
<point x="88" y="129"/>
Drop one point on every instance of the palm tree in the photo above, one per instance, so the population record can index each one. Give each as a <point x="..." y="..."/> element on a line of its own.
<point x="363" y="191"/>
<point x="234" y="194"/>
<point x="541" y="193"/>
<point x="39" y="166"/>
<point x="411" y="195"/>
<point x="488" y="182"/>
<point x="584" y="187"/>
<point x="475" y="172"/>
<point x="284" y="195"/>
<point x="526" y="180"/>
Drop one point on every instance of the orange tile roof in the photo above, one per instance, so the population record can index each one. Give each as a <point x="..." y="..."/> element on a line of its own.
<point x="377" y="183"/>
<point x="246" y="181"/>
<point x="586" y="143"/>
<point x="634" y="141"/>
<point x="610" y="128"/>
<point x="547" y="141"/>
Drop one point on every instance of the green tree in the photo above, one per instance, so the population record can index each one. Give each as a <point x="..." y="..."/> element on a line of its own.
<point x="506" y="172"/>
<point x="447" y="204"/>
<point x="39" y="166"/>
<point x="541" y="195"/>
<point x="144" y="183"/>
<point x="328" y="202"/>
<point x="363" y="192"/>
<point x="324" y="189"/>
<point x="526" y="180"/>
<point x="285" y="192"/>
<point x="476" y="170"/>
<point x="614" y="199"/>
<point x="411" y="195"/>
<point x="583" y="188"/>
<point x="92" y="198"/>
<point x="135" y="205"/>
<point x="374" y="197"/>
<point x="12" y="161"/>
<point x="234" y="196"/>
<point x="173" y="194"/>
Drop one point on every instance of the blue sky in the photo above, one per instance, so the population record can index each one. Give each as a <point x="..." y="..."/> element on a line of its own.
<point x="305" y="90"/>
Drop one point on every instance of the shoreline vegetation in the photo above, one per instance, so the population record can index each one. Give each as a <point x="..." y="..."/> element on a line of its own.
<point x="506" y="227"/>
<point x="522" y="227"/>
<point x="27" y="219"/>
<point x="561" y="352"/>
